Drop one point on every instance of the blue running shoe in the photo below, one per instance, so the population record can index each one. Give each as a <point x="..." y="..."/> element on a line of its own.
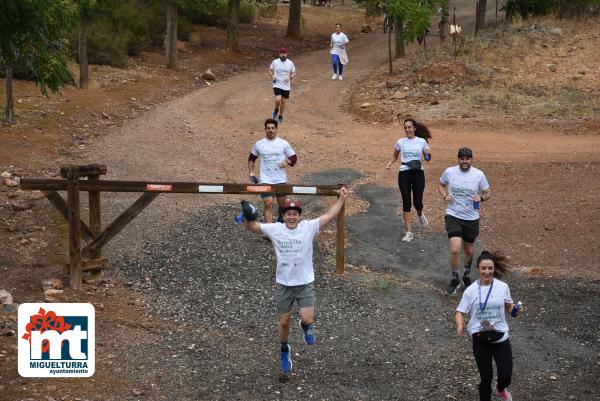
<point x="308" y="333"/>
<point x="280" y="119"/>
<point x="286" y="360"/>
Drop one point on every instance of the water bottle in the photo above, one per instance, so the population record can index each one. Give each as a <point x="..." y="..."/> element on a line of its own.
<point x="427" y="156"/>
<point x="516" y="309"/>
<point x="476" y="204"/>
<point x="254" y="179"/>
<point x="239" y="219"/>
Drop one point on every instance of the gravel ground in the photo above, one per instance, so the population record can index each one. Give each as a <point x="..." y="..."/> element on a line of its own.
<point x="217" y="294"/>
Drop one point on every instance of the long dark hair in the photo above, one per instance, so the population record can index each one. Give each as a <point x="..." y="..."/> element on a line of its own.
<point x="421" y="130"/>
<point x="501" y="265"/>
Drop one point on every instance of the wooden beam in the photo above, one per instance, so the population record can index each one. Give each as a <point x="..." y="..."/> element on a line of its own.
<point x="340" y="239"/>
<point x="85" y="170"/>
<point x="95" y="217"/>
<point x="94" y="265"/>
<point x="74" y="228"/>
<point x="120" y="222"/>
<point x="60" y="205"/>
<point x="48" y="184"/>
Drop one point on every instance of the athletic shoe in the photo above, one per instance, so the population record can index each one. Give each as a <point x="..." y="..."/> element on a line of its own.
<point x="408" y="237"/>
<point x="334" y="76"/>
<point x="504" y="395"/>
<point x="275" y="115"/>
<point x="286" y="360"/>
<point x="423" y="220"/>
<point x="466" y="280"/>
<point x="454" y="284"/>
<point x="340" y="78"/>
<point x="280" y="119"/>
<point x="309" y="333"/>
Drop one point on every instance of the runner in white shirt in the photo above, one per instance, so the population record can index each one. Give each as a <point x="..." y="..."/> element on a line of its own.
<point x="337" y="46"/>
<point x="463" y="187"/>
<point x="293" y="243"/>
<point x="411" y="177"/>
<point x="275" y="156"/>
<point x="486" y="302"/>
<point x="281" y="71"/>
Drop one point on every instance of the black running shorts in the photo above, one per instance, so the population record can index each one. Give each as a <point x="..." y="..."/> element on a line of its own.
<point x="468" y="230"/>
<point x="280" y="92"/>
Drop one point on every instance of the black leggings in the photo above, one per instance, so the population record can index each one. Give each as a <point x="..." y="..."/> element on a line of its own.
<point x="411" y="180"/>
<point x="502" y="354"/>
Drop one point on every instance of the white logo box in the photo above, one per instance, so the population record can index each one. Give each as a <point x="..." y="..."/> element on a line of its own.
<point x="75" y="358"/>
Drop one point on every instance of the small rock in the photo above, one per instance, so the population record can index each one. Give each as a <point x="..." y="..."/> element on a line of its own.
<point x="52" y="291"/>
<point x="399" y="95"/>
<point x="552" y="67"/>
<point x="104" y="115"/>
<point x="552" y="377"/>
<point x="137" y="391"/>
<point x="52" y="283"/>
<point x="556" y="31"/>
<point x="208" y="75"/>
<point x="5" y="298"/>
<point x="5" y="174"/>
<point x="366" y="28"/>
<point x="365" y="105"/>
<point x="20" y="206"/>
<point x="10" y="183"/>
<point x="9" y="309"/>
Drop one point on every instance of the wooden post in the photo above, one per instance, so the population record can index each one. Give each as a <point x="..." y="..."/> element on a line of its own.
<point x="95" y="221"/>
<point x="339" y="254"/>
<point x="74" y="228"/>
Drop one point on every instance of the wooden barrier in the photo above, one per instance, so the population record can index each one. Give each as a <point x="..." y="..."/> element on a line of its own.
<point x="89" y="258"/>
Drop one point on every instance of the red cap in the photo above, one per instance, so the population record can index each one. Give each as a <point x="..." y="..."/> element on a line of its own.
<point x="292" y="204"/>
<point x="283" y="50"/>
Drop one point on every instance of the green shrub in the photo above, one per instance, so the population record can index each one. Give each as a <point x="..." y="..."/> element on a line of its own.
<point x="214" y="12"/>
<point x="267" y="10"/>
<point x="106" y="49"/>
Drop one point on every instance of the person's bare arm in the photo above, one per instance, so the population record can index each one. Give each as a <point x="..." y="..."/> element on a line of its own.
<point x="335" y="208"/>
<point x="253" y="226"/>
<point x="460" y="324"/>
<point x="393" y="159"/>
<point x="443" y="191"/>
<point x="485" y="195"/>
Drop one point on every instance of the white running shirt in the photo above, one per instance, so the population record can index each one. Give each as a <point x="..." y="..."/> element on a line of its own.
<point x="494" y="311"/>
<point x="294" y="251"/>
<point x="410" y="149"/>
<point x="462" y="186"/>
<point x="338" y="41"/>
<point x="283" y="71"/>
<point x="271" y="153"/>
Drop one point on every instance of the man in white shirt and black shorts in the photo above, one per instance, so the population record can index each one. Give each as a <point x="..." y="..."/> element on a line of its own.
<point x="275" y="155"/>
<point x="463" y="187"/>
<point x="293" y="243"/>
<point x="282" y="71"/>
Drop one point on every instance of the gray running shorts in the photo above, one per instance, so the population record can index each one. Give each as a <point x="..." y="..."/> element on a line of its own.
<point x="286" y="295"/>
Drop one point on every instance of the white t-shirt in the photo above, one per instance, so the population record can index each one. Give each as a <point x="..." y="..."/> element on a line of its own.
<point x="462" y="186"/>
<point x="338" y="41"/>
<point x="494" y="311"/>
<point x="410" y="149"/>
<point x="271" y="153"/>
<point x="283" y="71"/>
<point x="294" y="251"/>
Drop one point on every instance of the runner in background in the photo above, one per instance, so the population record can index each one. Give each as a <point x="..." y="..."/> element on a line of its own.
<point x="463" y="187"/>
<point x="282" y="71"/>
<point x="411" y="177"/>
<point x="339" y="57"/>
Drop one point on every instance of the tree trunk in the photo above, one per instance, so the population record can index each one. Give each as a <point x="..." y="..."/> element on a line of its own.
<point x="390" y="50"/>
<point x="400" y="50"/>
<point x="293" y="28"/>
<point x="371" y="10"/>
<point x="480" y="15"/>
<point x="172" y="35"/>
<point x="82" y="53"/>
<point x="233" y="24"/>
<point x="9" y="112"/>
